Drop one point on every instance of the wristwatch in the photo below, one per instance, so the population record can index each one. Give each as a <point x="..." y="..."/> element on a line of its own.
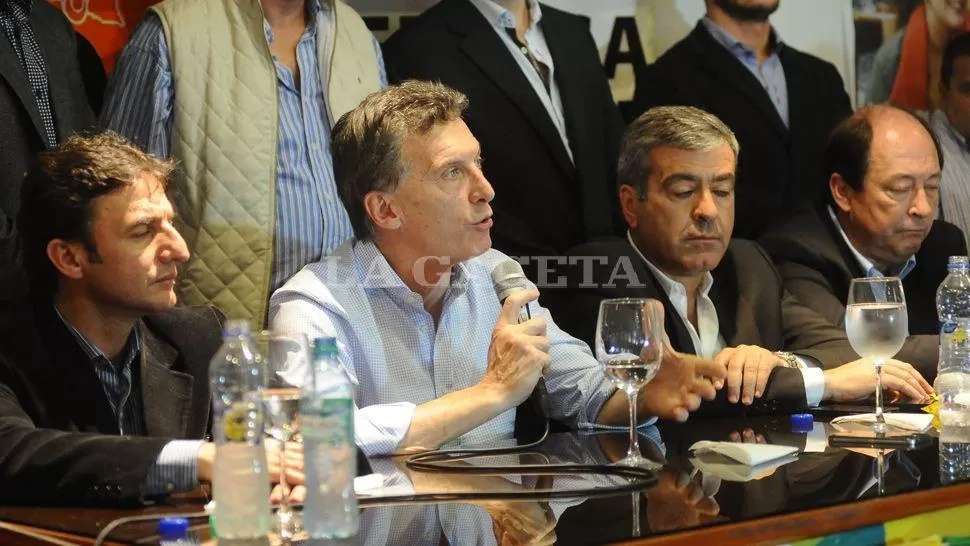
<point x="790" y="359"/>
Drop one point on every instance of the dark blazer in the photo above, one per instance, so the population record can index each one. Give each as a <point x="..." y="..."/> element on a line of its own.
<point x="59" y="441"/>
<point x="544" y="204"/>
<point x="21" y="128"/>
<point x="818" y="266"/>
<point x="752" y="307"/>
<point x="778" y="167"/>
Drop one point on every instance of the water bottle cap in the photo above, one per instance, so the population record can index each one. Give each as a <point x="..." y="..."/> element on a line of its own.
<point x="802" y="422"/>
<point x="236" y="327"/>
<point x="325" y="346"/>
<point x="173" y="528"/>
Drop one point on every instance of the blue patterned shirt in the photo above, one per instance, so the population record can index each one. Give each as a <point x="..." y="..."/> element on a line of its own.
<point x="401" y="359"/>
<point x="769" y="73"/>
<point x="175" y="469"/>
<point x="311" y="220"/>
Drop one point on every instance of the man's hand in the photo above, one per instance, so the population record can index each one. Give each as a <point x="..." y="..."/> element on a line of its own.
<point x="206" y="461"/>
<point x="679" y="386"/>
<point x="748" y="368"/>
<point x="857" y="379"/>
<point x="519" y="353"/>
<point x="678" y="502"/>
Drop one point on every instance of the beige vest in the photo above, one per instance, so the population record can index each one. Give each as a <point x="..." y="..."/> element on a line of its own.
<point x="225" y="131"/>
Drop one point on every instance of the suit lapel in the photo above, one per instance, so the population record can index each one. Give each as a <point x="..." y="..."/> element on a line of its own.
<point x="13" y="72"/>
<point x="718" y="60"/>
<point x="736" y="321"/>
<point x="485" y="49"/>
<point x="166" y="393"/>
<point x="680" y="338"/>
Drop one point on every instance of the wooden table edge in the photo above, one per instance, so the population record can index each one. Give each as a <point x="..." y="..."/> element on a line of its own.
<point x="817" y="521"/>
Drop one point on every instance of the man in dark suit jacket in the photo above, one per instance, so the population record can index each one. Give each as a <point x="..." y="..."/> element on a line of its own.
<point x="781" y="103"/>
<point x="545" y="118"/>
<point x="34" y="33"/>
<point x="884" y="174"/>
<point x="104" y="395"/>
<point x="723" y="299"/>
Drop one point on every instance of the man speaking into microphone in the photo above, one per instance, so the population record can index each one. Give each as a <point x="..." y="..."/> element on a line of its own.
<point x="410" y="298"/>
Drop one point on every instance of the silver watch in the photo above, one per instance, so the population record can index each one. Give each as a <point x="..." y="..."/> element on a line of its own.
<point x="790" y="359"/>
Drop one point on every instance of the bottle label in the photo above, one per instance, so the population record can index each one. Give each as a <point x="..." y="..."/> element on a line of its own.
<point x="333" y="424"/>
<point x="240" y="421"/>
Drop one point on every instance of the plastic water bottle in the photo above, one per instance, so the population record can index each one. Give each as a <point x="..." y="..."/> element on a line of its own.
<point x="953" y="307"/>
<point x="241" y="479"/>
<point x="330" y="457"/>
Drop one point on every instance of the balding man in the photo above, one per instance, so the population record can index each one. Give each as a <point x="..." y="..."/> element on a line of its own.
<point x="884" y="167"/>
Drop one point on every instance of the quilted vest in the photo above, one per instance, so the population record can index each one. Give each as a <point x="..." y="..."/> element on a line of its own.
<point x="224" y="134"/>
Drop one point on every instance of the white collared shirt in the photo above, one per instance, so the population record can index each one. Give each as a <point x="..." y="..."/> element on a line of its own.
<point x="707" y="338"/>
<point x="500" y="19"/>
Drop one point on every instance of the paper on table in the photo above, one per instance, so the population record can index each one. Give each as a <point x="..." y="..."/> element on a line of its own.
<point x="714" y="464"/>
<point x="915" y="422"/>
<point x="749" y="454"/>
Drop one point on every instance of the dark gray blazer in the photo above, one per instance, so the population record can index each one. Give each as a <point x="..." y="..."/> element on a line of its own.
<point x="20" y="122"/>
<point x="59" y="441"/>
<point x="818" y="267"/>
<point x="752" y="307"/>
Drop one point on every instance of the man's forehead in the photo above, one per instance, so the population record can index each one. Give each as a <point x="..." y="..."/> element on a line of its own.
<point x="713" y="163"/>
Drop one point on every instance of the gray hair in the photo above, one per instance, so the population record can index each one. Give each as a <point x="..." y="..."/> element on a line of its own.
<point x="367" y="141"/>
<point x="680" y="127"/>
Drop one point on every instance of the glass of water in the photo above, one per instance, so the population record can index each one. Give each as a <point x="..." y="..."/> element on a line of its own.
<point x="877" y="326"/>
<point x="286" y="357"/>
<point x="629" y="345"/>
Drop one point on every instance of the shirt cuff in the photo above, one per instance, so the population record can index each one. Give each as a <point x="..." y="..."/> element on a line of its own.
<point x="814" y="379"/>
<point x="378" y="429"/>
<point x="176" y="470"/>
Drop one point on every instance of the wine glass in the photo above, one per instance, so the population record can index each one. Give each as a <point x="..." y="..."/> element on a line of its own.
<point x="629" y="345"/>
<point x="877" y="325"/>
<point x="286" y="357"/>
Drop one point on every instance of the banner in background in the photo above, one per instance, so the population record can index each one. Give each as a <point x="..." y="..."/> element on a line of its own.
<point x="105" y="23"/>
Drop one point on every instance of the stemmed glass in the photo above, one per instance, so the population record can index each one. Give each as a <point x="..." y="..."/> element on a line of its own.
<point x="286" y="357"/>
<point x="877" y="326"/>
<point x="629" y="345"/>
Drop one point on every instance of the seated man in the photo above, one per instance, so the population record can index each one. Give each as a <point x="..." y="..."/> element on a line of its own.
<point x="411" y="300"/>
<point x="104" y="391"/>
<point x="883" y="170"/>
<point x="723" y="298"/>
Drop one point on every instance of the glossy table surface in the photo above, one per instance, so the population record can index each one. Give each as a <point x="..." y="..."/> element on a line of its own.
<point x="693" y="500"/>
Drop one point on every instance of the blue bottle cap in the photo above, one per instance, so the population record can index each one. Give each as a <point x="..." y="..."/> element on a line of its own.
<point x="802" y="422"/>
<point x="173" y="528"/>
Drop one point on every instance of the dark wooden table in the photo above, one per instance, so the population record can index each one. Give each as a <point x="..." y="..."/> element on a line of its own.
<point x="821" y="493"/>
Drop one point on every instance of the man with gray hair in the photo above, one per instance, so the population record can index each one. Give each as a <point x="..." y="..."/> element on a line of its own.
<point x="437" y="357"/>
<point x="724" y="300"/>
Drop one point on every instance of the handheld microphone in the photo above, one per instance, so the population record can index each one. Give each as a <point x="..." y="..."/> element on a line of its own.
<point x="508" y="278"/>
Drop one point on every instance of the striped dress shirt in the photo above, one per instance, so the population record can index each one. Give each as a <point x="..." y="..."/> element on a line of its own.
<point x="401" y="358"/>
<point x="311" y="219"/>
<point x="955" y="185"/>
<point x="176" y="468"/>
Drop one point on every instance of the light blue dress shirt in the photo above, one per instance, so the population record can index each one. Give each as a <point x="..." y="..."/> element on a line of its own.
<point x="770" y="73"/>
<point x="401" y="359"/>
<point x="311" y="219"/>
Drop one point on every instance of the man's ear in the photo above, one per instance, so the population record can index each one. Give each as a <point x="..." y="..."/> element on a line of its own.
<point x="629" y="201"/>
<point x="68" y="257"/>
<point x="379" y="206"/>
<point x="842" y="192"/>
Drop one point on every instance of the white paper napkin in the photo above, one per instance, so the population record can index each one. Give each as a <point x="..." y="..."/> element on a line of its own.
<point x="915" y="422"/>
<point x="748" y="454"/>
